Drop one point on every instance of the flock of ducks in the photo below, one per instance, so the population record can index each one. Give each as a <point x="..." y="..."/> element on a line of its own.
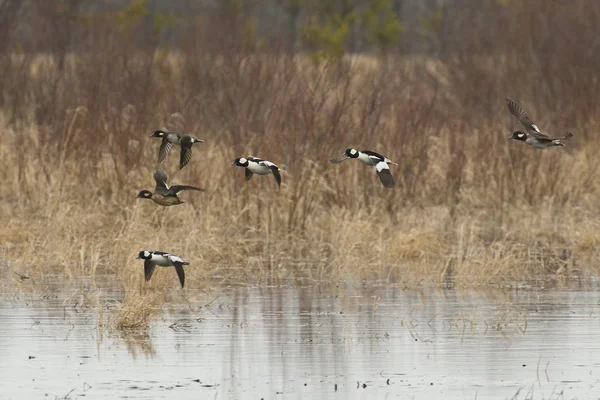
<point x="166" y="195"/>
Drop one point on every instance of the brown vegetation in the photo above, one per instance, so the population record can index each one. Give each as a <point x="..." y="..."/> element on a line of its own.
<point x="470" y="206"/>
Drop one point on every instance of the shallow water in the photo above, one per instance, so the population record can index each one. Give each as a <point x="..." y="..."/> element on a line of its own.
<point x="369" y="342"/>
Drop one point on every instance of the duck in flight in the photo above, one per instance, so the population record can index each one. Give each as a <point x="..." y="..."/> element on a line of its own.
<point x="169" y="138"/>
<point x="163" y="194"/>
<point x="255" y="165"/>
<point x="532" y="135"/>
<point x="374" y="160"/>
<point x="162" y="259"/>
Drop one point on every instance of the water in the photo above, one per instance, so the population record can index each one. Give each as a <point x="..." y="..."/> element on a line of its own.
<point x="365" y="342"/>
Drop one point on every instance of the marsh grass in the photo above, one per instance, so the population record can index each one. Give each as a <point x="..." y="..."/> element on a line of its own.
<point x="470" y="207"/>
<point x="136" y="311"/>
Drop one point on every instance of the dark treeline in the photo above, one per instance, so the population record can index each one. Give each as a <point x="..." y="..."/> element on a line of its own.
<point x="333" y="26"/>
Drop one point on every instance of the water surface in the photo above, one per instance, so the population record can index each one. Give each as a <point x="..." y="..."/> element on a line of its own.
<point x="371" y="341"/>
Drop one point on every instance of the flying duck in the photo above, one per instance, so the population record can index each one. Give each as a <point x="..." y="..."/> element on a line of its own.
<point x="374" y="160"/>
<point x="532" y="136"/>
<point x="169" y="138"/>
<point x="163" y="194"/>
<point x="160" y="258"/>
<point x="255" y="165"/>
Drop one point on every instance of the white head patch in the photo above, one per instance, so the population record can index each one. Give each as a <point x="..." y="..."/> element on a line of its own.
<point x="353" y="152"/>
<point x="146" y="253"/>
<point x="520" y="135"/>
<point x="243" y="160"/>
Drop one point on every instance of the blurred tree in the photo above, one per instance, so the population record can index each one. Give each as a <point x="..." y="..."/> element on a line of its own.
<point x="131" y="16"/>
<point x="327" y="36"/>
<point x="382" y="24"/>
<point x="238" y="16"/>
<point x="293" y="9"/>
<point x="164" y="22"/>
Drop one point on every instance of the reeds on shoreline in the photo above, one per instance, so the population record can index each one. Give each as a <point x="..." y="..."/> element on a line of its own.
<point x="471" y="206"/>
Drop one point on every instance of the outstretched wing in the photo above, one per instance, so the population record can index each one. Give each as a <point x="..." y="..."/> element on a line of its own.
<point x="385" y="176"/>
<point x="186" y="150"/>
<point x="248" y="174"/>
<point x="522" y="116"/>
<point x="165" y="147"/>
<point x="274" y="169"/>
<point x="178" y="188"/>
<point x="161" y="181"/>
<point x="180" y="272"/>
<point x="148" y="269"/>
<point x="185" y="157"/>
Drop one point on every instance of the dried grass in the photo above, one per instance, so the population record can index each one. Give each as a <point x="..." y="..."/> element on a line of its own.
<point x="471" y="207"/>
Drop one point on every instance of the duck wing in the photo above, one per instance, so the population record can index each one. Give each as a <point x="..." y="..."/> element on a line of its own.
<point x="174" y="190"/>
<point x="161" y="182"/>
<point x="149" y="269"/>
<point x="522" y="117"/>
<point x="186" y="150"/>
<point x="385" y="175"/>
<point x="165" y="147"/>
<point x="274" y="169"/>
<point x="180" y="272"/>
<point x="248" y="174"/>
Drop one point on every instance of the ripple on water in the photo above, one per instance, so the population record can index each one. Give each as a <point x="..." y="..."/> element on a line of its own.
<point x="297" y="342"/>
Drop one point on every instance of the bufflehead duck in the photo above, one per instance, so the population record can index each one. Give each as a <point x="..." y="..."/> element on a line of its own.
<point x="163" y="194"/>
<point x="532" y="136"/>
<point x="160" y="258"/>
<point x="374" y="160"/>
<point x="169" y="138"/>
<point x="255" y="165"/>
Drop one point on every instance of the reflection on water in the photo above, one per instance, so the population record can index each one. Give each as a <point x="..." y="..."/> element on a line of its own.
<point x="365" y="342"/>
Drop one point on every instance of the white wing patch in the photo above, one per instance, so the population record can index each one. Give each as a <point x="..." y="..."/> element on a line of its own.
<point x="267" y="164"/>
<point x="381" y="166"/>
<point x="534" y="126"/>
<point x="174" y="258"/>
